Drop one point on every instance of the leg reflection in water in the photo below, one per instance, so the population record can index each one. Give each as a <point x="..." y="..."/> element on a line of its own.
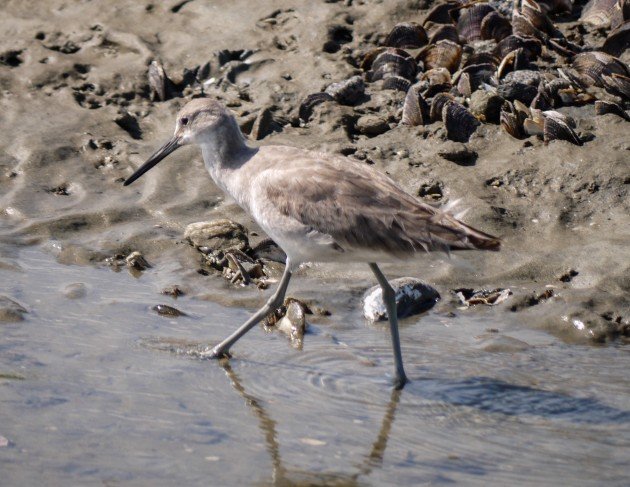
<point x="282" y="475"/>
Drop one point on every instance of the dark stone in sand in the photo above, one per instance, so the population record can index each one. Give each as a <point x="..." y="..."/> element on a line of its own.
<point x="11" y="311"/>
<point x="412" y="297"/>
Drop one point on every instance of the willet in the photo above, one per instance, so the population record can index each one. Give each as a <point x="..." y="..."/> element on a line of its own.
<point x="318" y="207"/>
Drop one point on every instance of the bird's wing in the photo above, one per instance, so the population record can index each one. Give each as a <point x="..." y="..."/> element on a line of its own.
<point x="361" y="208"/>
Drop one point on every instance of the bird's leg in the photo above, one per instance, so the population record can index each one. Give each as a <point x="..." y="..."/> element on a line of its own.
<point x="389" y="297"/>
<point x="222" y="349"/>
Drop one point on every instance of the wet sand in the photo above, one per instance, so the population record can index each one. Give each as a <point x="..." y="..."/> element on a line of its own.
<point x="521" y="392"/>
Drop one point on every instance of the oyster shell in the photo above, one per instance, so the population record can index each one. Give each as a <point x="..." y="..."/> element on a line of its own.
<point x="415" y="109"/>
<point x="618" y="41"/>
<point x="393" y="62"/>
<point x="459" y="122"/>
<point x="593" y="66"/>
<point x="558" y="127"/>
<point x="470" y="19"/>
<point x="598" y="12"/>
<point x="532" y="47"/>
<point x="604" y="107"/>
<point x="159" y="83"/>
<point x="495" y="26"/>
<point x="407" y="35"/>
<point x="437" y="104"/>
<point x="310" y="102"/>
<point x="443" y="13"/>
<point x="512" y="120"/>
<point x="397" y="83"/>
<point x="443" y="54"/>
<point x="444" y="32"/>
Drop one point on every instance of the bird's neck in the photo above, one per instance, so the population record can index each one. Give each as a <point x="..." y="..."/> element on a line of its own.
<point x="225" y="148"/>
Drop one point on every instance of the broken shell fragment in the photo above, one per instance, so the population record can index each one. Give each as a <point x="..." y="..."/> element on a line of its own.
<point x="470" y="297"/>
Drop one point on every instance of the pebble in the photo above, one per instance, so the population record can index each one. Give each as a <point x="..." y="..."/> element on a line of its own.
<point x="372" y="125"/>
<point x="412" y="297"/>
<point x="11" y="311"/>
<point x="75" y="290"/>
<point x="166" y="310"/>
<point x="486" y="106"/>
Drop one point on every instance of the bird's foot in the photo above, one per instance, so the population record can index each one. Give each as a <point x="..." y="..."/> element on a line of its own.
<point x="400" y="381"/>
<point x="215" y="353"/>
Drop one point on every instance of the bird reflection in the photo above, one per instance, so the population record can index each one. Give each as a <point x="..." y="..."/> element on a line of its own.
<point x="282" y="476"/>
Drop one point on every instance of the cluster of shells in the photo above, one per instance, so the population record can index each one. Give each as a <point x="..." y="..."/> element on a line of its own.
<point x="469" y="63"/>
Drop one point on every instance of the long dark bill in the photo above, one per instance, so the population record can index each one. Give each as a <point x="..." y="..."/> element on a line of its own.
<point x="160" y="154"/>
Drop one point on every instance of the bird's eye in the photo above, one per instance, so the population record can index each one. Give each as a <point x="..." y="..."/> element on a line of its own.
<point x="184" y="121"/>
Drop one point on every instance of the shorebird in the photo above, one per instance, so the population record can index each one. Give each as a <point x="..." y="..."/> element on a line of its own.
<point x="317" y="207"/>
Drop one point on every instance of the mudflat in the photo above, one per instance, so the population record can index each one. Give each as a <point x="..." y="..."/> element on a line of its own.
<point x="79" y="115"/>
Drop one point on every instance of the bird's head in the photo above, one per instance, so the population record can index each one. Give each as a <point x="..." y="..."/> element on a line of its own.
<point x="200" y="121"/>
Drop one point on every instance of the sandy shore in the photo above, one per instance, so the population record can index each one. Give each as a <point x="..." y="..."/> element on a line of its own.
<point x="78" y="118"/>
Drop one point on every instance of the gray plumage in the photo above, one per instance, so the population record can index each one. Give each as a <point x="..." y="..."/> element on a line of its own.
<point x="316" y="206"/>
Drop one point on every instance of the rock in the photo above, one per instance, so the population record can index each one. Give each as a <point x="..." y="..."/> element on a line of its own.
<point x="486" y="106"/>
<point x="11" y="311"/>
<point x="217" y="235"/>
<point x="75" y="290"/>
<point x="166" y="310"/>
<point x="174" y="291"/>
<point x="269" y="250"/>
<point x="372" y="125"/>
<point x="290" y="319"/>
<point x="136" y="260"/>
<point x="412" y="297"/>
<point x="293" y="323"/>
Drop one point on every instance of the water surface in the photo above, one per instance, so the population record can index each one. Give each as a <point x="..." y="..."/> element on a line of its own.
<point x="91" y="394"/>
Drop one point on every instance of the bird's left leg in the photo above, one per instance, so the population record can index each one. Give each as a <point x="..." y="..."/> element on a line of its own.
<point x="223" y="348"/>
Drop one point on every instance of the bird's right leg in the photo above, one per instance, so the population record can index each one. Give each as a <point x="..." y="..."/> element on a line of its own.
<point x="274" y="302"/>
<point x="389" y="297"/>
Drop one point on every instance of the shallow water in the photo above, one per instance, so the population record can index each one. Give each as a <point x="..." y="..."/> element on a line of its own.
<point x="91" y="394"/>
